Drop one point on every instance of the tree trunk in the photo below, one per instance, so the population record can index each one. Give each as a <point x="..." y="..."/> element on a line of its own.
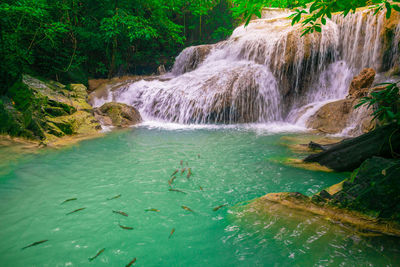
<point x="350" y="153"/>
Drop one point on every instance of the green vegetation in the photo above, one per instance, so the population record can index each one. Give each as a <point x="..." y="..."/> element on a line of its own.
<point x="71" y="40"/>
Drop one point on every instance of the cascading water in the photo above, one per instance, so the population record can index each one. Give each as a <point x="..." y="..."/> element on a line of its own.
<point x="265" y="72"/>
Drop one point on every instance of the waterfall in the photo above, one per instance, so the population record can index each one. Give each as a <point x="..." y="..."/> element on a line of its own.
<point x="265" y="72"/>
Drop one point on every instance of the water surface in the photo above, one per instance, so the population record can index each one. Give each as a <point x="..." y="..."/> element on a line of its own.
<point x="230" y="165"/>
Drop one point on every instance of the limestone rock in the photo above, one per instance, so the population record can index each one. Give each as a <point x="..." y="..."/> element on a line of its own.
<point x="361" y="83"/>
<point x="342" y="117"/>
<point x="117" y="114"/>
<point x="332" y="117"/>
<point x="55" y="111"/>
<point x="191" y="58"/>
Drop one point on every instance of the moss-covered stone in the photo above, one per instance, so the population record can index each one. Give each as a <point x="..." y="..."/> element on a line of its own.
<point x="374" y="188"/>
<point x="47" y="110"/>
<point x="118" y="115"/>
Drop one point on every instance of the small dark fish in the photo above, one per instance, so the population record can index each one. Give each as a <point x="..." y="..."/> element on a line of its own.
<point x="98" y="253"/>
<point x="75" y="211"/>
<point x="176" y="190"/>
<point x="132" y="262"/>
<point x="68" y="200"/>
<point x="156" y="210"/>
<point x="175" y="172"/>
<point x="198" y="155"/>
<point x="35" y="244"/>
<point x="126" y="227"/>
<point x="189" y="173"/>
<point x="120" y="212"/>
<point x="172" y="232"/>
<point x="171" y="180"/>
<point x="187" y="208"/>
<point x="201" y="188"/>
<point x="181" y="162"/>
<point x="114" y="197"/>
<point x="183" y="171"/>
<point x="220" y="206"/>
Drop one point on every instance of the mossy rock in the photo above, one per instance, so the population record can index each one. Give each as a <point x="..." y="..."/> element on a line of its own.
<point x="118" y="115"/>
<point x="375" y="188"/>
<point x="47" y="110"/>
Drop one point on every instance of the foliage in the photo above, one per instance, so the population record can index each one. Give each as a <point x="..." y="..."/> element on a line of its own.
<point x="318" y="12"/>
<point x="71" y="40"/>
<point x="386" y="103"/>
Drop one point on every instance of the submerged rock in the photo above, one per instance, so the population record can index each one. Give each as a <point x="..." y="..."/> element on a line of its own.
<point x="117" y="114"/>
<point x="317" y="205"/>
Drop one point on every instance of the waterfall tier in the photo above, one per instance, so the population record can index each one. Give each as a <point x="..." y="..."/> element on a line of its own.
<point x="266" y="72"/>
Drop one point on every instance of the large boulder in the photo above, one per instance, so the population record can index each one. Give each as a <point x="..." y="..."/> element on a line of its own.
<point x="118" y="115"/>
<point x="361" y="83"/>
<point x="341" y="116"/>
<point x="47" y="110"/>
<point x="374" y="188"/>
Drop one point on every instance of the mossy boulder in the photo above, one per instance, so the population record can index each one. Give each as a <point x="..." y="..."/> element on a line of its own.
<point x="118" y="115"/>
<point x="47" y="110"/>
<point x="374" y="188"/>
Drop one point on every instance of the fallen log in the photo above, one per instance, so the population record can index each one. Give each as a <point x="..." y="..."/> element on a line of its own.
<point x="348" y="154"/>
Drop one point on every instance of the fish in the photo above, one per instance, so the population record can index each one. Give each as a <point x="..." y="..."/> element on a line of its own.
<point x="120" y="212"/>
<point x="156" y="210"/>
<point x="114" y="197"/>
<point x="220" y="206"/>
<point x="132" y="262"/>
<point x="75" y="211"/>
<point x="183" y="170"/>
<point x="35" y="244"/>
<point x="126" y="227"/>
<point x="68" y="200"/>
<point x="187" y="208"/>
<point x="175" y="172"/>
<point x="201" y="188"/>
<point x="198" y="155"/>
<point x="172" y="232"/>
<point x="176" y="190"/>
<point x="181" y="162"/>
<point x="189" y="173"/>
<point x="98" y="253"/>
<point x="171" y="180"/>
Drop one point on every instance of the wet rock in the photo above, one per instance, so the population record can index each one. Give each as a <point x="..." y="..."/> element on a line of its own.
<point x="361" y="83"/>
<point x="191" y="58"/>
<point x="118" y="115"/>
<point x="161" y="70"/>
<point x="292" y="203"/>
<point x="332" y="117"/>
<point x="338" y="116"/>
